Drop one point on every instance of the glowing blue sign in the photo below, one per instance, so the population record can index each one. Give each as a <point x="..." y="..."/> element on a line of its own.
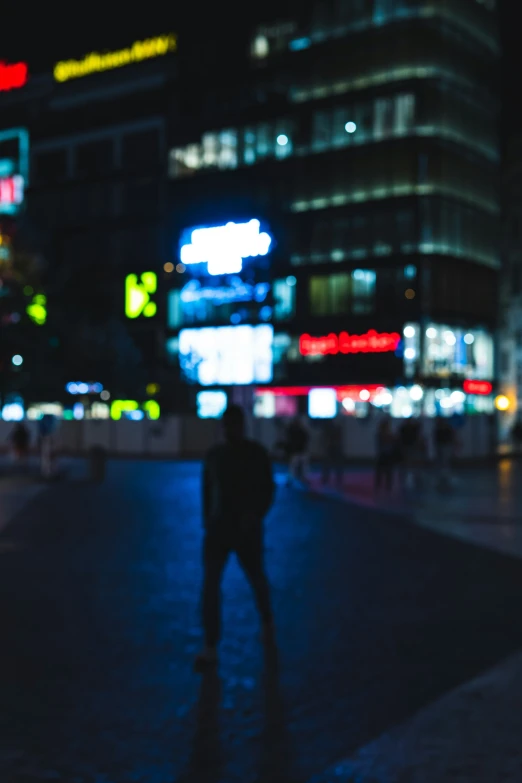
<point x="227" y="355"/>
<point x="211" y="404"/>
<point x="84" y="388"/>
<point x="237" y="291"/>
<point x="223" y="248"/>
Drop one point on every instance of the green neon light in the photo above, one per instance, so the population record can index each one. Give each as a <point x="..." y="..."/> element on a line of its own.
<point x="37" y="310"/>
<point x="122" y="406"/>
<point x="152" y="409"/>
<point x="138" y="293"/>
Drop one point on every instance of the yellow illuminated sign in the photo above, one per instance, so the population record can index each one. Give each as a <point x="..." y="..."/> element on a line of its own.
<point x="150" y="407"/>
<point x="97" y="62"/>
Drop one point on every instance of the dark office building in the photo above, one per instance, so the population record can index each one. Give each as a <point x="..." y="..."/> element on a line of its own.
<point x="92" y="205"/>
<point x="362" y="137"/>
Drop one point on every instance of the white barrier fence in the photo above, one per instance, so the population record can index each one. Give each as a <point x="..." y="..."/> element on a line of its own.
<point x="173" y="436"/>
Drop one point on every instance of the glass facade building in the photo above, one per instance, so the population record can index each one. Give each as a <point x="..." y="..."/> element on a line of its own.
<point x="372" y="148"/>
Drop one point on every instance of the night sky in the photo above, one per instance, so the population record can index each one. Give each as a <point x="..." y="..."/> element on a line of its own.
<point x="210" y="34"/>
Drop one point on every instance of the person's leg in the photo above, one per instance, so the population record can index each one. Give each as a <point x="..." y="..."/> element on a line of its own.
<point x="215" y="555"/>
<point x="250" y="553"/>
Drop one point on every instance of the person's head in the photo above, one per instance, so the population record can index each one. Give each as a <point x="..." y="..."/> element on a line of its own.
<point x="234" y="423"/>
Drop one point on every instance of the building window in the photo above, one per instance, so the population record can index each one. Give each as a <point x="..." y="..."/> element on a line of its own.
<point x="228" y="149"/>
<point x="343" y="293"/>
<point x="217" y="150"/>
<point x="363" y="290"/>
<point x="95" y="158"/>
<point x="260" y="47"/>
<point x="383" y="123"/>
<point x="284" y="298"/>
<point x="404" y="114"/>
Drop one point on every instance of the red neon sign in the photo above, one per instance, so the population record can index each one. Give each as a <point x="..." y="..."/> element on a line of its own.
<point x="13" y="76"/>
<point x="478" y="387"/>
<point x="302" y="391"/>
<point x="332" y="344"/>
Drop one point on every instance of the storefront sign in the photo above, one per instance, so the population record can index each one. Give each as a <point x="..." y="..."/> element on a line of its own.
<point x="97" y="62"/>
<point x="332" y="344"/>
<point x="223" y="248"/>
<point x="11" y="191"/>
<point x="14" y="169"/>
<point x="237" y="291"/>
<point x="12" y="76"/>
<point x="227" y="355"/>
<point x="478" y="387"/>
<point x="138" y="295"/>
<point x="131" y="409"/>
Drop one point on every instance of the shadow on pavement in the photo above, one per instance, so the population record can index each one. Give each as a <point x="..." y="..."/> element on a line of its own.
<point x="207" y="758"/>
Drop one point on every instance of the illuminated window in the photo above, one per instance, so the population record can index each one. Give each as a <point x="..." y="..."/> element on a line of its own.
<point x="260" y="47"/>
<point x="330" y="295"/>
<point x="228" y="149"/>
<point x="384" y="118"/>
<point x="363" y="290"/>
<point x="451" y="351"/>
<point x="249" y="146"/>
<point x="175" y="312"/>
<point x="211" y="404"/>
<point x="404" y="114"/>
<point x="283" y="146"/>
<point x="264" y="144"/>
<point x="284" y="298"/>
<point x="322" y="404"/>
<point x="210" y="146"/>
<point x="227" y="355"/>
<point x="343" y="293"/>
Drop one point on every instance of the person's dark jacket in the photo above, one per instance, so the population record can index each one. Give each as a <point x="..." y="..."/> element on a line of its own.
<point x="238" y="484"/>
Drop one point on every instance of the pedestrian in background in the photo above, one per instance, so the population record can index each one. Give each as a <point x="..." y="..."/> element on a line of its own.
<point x="386" y="455"/>
<point x="332" y="437"/>
<point x="20" y="441"/>
<point x="410" y="447"/>
<point x="516" y="436"/>
<point x="444" y="438"/>
<point x="238" y="490"/>
<point x="296" y="446"/>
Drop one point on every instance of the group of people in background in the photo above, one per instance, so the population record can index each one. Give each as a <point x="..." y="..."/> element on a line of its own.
<point x="400" y="452"/>
<point x="406" y="450"/>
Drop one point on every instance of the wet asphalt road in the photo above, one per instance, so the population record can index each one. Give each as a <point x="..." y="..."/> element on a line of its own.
<point x="99" y="606"/>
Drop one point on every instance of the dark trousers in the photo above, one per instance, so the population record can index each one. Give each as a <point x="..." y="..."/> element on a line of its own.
<point x="218" y="546"/>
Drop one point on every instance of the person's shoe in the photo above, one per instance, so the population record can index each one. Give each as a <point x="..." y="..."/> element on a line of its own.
<point x="206" y="658"/>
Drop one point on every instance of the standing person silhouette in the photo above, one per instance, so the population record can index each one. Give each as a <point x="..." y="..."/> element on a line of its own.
<point x="238" y="490"/>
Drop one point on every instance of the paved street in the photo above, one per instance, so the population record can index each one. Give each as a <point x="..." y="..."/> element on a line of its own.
<point x="482" y="506"/>
<point x="377" y="619"/>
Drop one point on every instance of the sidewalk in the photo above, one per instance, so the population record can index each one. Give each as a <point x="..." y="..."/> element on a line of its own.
<point x="19" y="486"/>
<point x="484" y="507"/>
<point x="471" y="735"/>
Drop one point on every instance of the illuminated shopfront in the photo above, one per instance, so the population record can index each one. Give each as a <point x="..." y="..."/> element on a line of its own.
<point x="227" y="355"/>
<point x="14" y="169"/>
